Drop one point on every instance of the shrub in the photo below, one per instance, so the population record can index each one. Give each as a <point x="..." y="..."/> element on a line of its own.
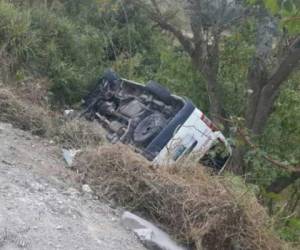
<point x="79" y="134"/>
<point x="28" y="113"/>
<point x="23" y="115"/>
<point x="198" y="209"/>
<point x="16" y="37"/>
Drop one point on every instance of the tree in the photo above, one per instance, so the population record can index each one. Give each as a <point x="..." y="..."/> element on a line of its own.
<point x="208" y="20"/>
<point x="277" y="54"/>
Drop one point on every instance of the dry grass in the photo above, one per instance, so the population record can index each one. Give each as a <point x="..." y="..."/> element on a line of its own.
<point x="33" y="91"/>
<point x="205" y="211"/>
<point x="29" y="114"/>
<point x="24" y="115"/>
<point x="79" y="134"/>
<point x="196" y="208"/>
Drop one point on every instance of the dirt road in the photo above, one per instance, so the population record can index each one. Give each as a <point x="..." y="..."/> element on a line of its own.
<point x="42" y="207"/>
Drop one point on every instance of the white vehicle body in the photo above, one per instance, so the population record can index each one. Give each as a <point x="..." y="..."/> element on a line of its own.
<point x="163" y="127"/>
<point x="193" y="137"/>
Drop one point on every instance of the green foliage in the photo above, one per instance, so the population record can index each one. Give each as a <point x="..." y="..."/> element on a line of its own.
<point x="283" y="128"/>
<point x="287" y="10"/>
<point x="172" y="67"/>
<point x="272" y="5"/>
<point x="16" y="36"/>
<point x="290" y="231"/>
<point x="281" y="139"/>
<point x="175" y="71"/>
<point x="235" y="59"/>
<point x="67" y="53"/>
<point x="74" y="42"/>
<point x="42" y="42"/>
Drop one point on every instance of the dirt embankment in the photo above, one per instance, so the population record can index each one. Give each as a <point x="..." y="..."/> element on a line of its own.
<point x="42" y="208"/>
<point x="203" y="211"/>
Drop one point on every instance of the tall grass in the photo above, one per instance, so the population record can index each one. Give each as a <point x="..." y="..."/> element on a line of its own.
<point x="40" y="41"/>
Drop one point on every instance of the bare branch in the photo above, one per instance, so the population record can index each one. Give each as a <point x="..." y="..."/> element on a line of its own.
<point x="184" y="40"/>
<point x="155" y="5"/>
<point x="246" y="13"/>
<point x="162" y="21"/>
<point x="290" y="61"/>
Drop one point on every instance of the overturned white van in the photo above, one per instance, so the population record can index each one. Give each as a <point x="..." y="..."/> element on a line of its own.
<point x="163" y="127"/>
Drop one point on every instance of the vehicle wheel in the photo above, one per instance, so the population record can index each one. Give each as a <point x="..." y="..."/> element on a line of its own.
<point x="110" y="75"/>
<point x="148" y="128"/>
<point x="161" y="92"/>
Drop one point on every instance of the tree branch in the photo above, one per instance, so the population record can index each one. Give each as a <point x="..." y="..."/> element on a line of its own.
<point x="158" y="17"/>
<point x="271" y="89"/>
<point x="246" y="13"/>
<point x="288" y="64"/>
<point x="184" y="40"/>
<point x="246" y="139"/>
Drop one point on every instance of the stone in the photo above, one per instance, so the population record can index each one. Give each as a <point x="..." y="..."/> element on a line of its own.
<point x="86" y="188"/>
<point x="69" y="155"/>
<point x="150" y="235"/>
<point x="71" y="192"/>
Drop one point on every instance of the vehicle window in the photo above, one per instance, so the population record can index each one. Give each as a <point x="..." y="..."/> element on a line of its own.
<point x="185" y="148"/>
<point x="178" y="152"/>
<point x="191" y="148"/>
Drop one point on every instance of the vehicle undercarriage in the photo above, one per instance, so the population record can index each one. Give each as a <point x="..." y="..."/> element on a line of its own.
<point x="132" y="113"/>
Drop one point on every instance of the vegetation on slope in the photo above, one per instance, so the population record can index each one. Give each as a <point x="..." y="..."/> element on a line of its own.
<point x="202" y="211"/>
<point x="61" y="47"/>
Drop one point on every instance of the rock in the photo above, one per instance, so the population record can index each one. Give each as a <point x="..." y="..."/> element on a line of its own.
<point x="71" y="192"/>
<point x="146" y="235"/>
<point x="151" y="236"/>
<point x="7" y="163"/>
<point x="59" y="227"/>
<point x="36" y="187"/>
<point x="5" y="126"/>
<point x="69" y="113"/>
<point x="114" y="219"/>
<point x="69" y="155"/>
<point x="86" y="188"/>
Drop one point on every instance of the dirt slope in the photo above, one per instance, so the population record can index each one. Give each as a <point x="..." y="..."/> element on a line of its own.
<point x="41" y="207"/>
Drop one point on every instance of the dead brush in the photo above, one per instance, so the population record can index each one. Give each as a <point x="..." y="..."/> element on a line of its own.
<point x="24" y="115"/>
<point x="79" y="134"/>
<point x="193" y="206"/>
<point x="33" y="90"/>
<point x="31" y="113"/>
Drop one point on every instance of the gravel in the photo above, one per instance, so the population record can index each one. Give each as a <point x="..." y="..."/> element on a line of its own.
<point x="42" y="205"/>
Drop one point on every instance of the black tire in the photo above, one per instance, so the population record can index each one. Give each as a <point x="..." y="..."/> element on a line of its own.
<point x="110" y="76"/>
<point x="148" y="128"/>
<point x="159" y="91"/>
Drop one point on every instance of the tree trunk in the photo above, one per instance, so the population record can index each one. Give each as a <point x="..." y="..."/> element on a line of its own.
<point x="237" y="164"/>
<point x="210" y="69"/>
<point x="257" y="79"/>
<point x="215" y="100"/>
<point x="264" y="88"/>
<point x="264" y="109"/>
<point x="203" y="48"/>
